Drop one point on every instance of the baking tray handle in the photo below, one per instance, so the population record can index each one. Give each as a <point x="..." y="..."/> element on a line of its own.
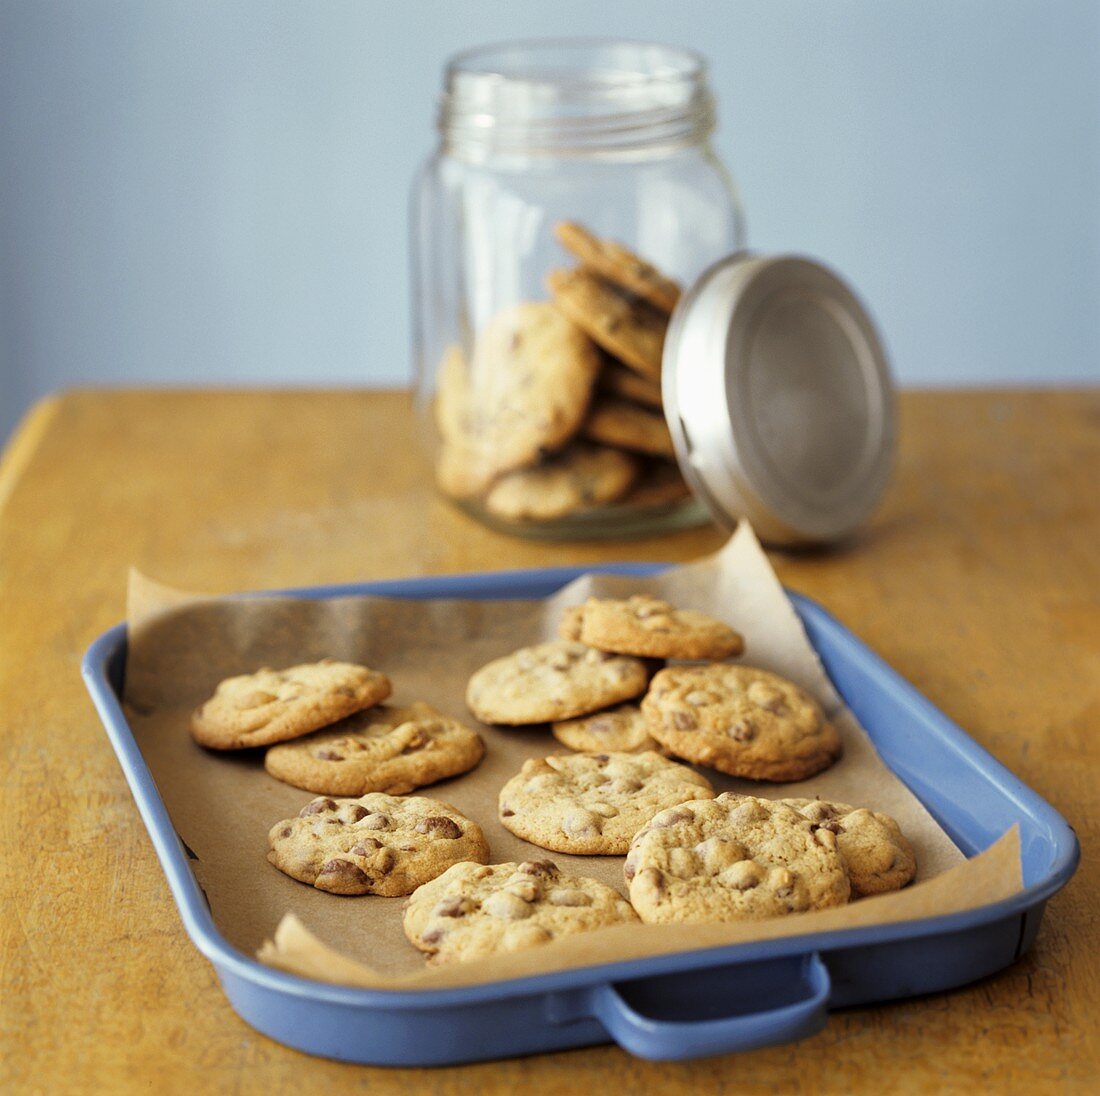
<point x="646" y="1017"/>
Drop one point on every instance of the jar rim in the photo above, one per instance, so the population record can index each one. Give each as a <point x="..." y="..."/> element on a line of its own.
<point x="575" y="94"/>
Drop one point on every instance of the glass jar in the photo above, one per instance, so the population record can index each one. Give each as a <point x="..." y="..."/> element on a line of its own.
<point x="574" y="191"/>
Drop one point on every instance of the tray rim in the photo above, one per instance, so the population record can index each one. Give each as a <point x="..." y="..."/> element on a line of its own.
<point x="207" y="938"/>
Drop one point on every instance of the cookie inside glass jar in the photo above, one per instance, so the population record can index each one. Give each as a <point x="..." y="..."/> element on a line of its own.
<point x="556" y="415"/>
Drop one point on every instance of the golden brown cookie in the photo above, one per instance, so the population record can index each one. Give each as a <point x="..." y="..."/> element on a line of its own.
<point x="383" y="749"/>
<point x="557" y="680"/>
<point x="276" y="705"/>
<point x="463" y="472"/>
<point x="594" y="804"/>
<point x="618" y="264"/>
<point x="524" y="395"/>
<point x="619" y="423"/>
<point x="648" y="627"/>
<point x="733" y="858"/>
<point x="630" y="329"/>
<point x="578" y="478"/>
<point x="875" y="851"/>
<point x="619" y="381"/>
<point x="615" y="730"/>
<point x="473" y="911"/>
<point x="377" y="844"/>
<point x="741" y="721"/>
<point x="452" y="392"/>
<point x="570" y="626"/>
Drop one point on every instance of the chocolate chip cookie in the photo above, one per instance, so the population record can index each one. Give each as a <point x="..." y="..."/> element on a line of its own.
<point x="616" y="379"/>
<point x="578" y="478"/>
<point x="616" y="730"/>
<point x="593" y="804"/>
<point x="741" y="721"/>
<point x="276" y="705"/>
<point x="626" y="327"/>
<point x="733" y="858"/>
<point x="648" y="627"/>
<point x="377" y="844"/>
<point x="618" y="422"/>
<point x="383" y="749"/>
<point x="473" y="911"/>
<point x="876" y="853"/>
<point x="524" y="395"/>
<point x="551" y="681"/>
<point x="618" y="264"/>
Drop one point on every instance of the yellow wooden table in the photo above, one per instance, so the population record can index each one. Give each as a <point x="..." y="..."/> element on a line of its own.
<point x="979" y="580"/>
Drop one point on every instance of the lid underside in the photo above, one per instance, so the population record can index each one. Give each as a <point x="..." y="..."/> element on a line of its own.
<point x="779" y="399"/>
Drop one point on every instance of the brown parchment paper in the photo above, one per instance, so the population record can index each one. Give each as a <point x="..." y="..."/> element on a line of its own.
<point x="223" y="804"/>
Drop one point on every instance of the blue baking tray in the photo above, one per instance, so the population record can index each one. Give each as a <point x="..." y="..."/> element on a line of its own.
<point x="738" y="997"/>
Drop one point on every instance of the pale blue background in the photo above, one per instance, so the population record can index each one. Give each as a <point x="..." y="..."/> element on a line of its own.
<point x="215" y="192"/>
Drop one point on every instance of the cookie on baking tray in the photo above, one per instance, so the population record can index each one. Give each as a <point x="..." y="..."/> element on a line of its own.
<point x="579" y="477"/>
<point x="621" y="729"/>
<point x="377" y="844"/>
<point x="648" y="627"/>
<point x="593" y="804"/>
<point x="472" y="911"/>
<point x="733" y="858"/>
<point x="620" y="423"/>
<point x="551" y="681"/>
<point x="740" y="720"/>
<point x="630" y="329"/>
<point x="618" y="264"/>
<point x="276" y="705"/>
<point x="383" y="749"/>
<point x="876" y="853"/>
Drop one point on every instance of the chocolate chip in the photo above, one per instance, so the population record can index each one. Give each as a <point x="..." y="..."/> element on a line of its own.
<point x="569" y="897"/>
<point x="366" y="847"/>
<point x="346" y="869"/>
<point x="506" y="812"/>
<point x="683" y="721"/>
<point x="285" y="831"/>
<point x="316" y="807"/>
<point x="742" y="731"/>
<point x="417" y="742"/>
<point x="545" y="868"/>
<point x="432" y="937"/>
<point x="832" y="825"/>
<point x="383" y="863"/>
<point x="439" y="827"/>
<point x="603" y="759"/>
<point x="376" y="822"/>
<point x="452" y="906"/>
<point x="628" y="871"/>
<point x="357" y="813"/>
<point x="527" y="889"/>
<point x="328" y="755"/>
<point x="670" y="818"/>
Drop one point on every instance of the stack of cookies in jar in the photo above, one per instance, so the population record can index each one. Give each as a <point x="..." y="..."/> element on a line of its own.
<point x="557" y="412"/>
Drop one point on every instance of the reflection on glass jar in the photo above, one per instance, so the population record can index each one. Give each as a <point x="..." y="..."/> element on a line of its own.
<point x="573" y="192"/>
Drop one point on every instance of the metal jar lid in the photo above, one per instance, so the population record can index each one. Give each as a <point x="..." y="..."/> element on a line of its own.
<point x="779" y="398"/>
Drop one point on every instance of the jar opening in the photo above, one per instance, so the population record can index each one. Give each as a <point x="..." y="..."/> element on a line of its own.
<point x="574" y="95"/>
